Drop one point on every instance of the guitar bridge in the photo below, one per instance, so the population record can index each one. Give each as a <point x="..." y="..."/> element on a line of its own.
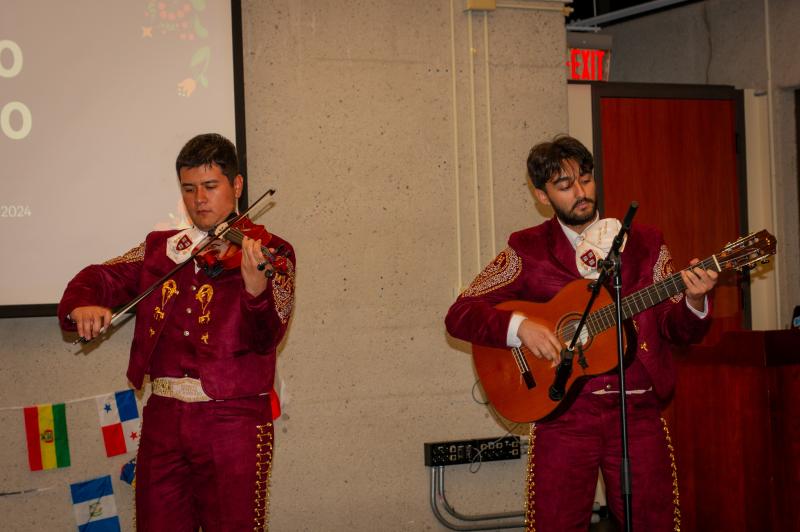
<point x="524" y="369"/>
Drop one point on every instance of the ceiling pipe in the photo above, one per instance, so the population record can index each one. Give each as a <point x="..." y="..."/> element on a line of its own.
<point x="589" y="23"/>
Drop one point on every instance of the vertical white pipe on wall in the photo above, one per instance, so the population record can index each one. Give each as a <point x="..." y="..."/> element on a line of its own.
<point x="772" y="178"/>
<point x="456" y="176"/>
<point x="490" y="151"/>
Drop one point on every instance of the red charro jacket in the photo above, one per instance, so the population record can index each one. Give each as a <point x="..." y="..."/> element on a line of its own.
<point x="234" y="335"/>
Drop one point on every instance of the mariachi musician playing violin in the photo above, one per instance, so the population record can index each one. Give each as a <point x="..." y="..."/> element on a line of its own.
<point x="207" y="338"/>
<point x="566" y="451"/>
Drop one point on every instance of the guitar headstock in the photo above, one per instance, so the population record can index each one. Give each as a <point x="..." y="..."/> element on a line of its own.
<point x="746" y="251"/>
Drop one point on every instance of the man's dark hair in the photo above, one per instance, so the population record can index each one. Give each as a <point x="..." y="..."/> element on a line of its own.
<point x="208" y="149"/>
<point x="547" y="158"/>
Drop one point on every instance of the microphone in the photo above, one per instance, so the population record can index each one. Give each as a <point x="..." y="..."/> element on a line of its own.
<point x="626" y="223"/>
<point x="626" y="226"/>
<point x="563" y="371"/>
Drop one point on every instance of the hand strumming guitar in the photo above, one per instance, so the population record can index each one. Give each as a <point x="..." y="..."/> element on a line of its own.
<point x="540" y="341"/>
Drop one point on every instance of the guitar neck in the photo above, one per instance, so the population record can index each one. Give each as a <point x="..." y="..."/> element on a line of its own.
<point x="605" y="317"/>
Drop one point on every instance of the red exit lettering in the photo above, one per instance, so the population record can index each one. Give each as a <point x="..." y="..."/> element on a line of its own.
<point x="586" y="64"/>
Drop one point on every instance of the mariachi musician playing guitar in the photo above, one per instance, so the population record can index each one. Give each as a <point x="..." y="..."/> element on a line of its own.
<point x="569" y="445"/>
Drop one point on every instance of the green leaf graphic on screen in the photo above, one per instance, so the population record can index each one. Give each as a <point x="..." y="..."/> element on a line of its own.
<point x="201" y="56"/>
<point x="199" y="29"/>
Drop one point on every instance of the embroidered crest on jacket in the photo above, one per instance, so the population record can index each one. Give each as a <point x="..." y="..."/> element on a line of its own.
<point x="179" y="246"/>
<point x="503" y="270"/>
<point x="283" y="292"/>
<point x="663" y="269"/>
<point x="183" y="243"/>
<point x="133" y="255"/>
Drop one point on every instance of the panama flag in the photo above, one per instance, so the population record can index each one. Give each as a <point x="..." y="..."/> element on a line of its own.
<point x="46" y="432"/>
<point x="94" y="505"/>
<point x="119" y="421"/>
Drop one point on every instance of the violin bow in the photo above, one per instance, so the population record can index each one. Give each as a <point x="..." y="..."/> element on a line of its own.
<point x="215" y="234"/>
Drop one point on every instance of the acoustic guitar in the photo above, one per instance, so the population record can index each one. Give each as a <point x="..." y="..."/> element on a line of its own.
<point x="518" y="383"/>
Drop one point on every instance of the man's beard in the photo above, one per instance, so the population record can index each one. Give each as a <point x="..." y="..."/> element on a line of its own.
<point x="567" y="218"/>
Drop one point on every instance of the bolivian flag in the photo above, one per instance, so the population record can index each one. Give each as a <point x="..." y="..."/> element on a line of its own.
<point x="46" y="429"/>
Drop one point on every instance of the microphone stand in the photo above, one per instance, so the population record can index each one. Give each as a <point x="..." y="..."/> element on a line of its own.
<point x="611" y="264"/>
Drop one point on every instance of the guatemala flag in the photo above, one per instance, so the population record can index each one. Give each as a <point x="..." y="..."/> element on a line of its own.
<point x="119" y="421"/>
<point x="95" y="509"/>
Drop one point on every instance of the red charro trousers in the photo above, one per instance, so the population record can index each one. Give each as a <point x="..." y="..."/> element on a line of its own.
<point x="204" y="464"/>
<point x="565" y="454"/>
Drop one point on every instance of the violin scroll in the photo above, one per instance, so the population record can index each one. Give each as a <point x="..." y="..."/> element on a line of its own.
<point x="278" y="261"/>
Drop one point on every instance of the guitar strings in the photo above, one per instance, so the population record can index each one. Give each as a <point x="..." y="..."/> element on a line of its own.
<point x="605" y="317"/>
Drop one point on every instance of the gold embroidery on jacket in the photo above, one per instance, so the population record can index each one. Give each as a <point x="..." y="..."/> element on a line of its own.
<point x="133" y="255"/>
<point x="283" y="292"/>
<point x="503" y="270"/>
<point x="204" y="295"/>
<point x="168" y="289"/>
<point x="663" y="269"/>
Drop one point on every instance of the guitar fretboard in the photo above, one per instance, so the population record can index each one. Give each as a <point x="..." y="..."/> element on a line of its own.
<point x="605" y="317"/>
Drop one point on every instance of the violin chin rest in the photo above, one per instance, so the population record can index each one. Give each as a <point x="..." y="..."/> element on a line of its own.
<point x="213" y="270"/>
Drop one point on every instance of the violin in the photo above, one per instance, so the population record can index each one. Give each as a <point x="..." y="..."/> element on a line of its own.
<point x="225" y="253"/>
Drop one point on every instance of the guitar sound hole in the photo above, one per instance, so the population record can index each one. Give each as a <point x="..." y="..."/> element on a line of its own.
<point x="566" y="329"/>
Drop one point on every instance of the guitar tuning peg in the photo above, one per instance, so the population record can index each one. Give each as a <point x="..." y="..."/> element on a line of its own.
<point x="765" y="261"/>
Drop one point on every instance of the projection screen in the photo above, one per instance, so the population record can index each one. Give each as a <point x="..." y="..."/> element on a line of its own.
<point x="96" y="100"/>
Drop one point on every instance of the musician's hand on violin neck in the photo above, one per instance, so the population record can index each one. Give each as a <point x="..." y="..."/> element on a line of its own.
<point x="540" y="341"/>
<point x="255" y="282"/>
<point x="699" y="282"/>
<point x="91" y="321"/>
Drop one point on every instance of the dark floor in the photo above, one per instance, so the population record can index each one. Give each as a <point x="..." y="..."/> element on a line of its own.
<point x="605" y="525"/>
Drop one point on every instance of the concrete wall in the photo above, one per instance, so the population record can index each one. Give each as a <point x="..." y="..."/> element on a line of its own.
<point x="400" y="173"/>
<point x="751" y="45"/>
<point x="395" y="134"/>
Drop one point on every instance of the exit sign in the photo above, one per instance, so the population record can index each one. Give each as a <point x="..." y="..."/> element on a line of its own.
<point x="588" y="65"/>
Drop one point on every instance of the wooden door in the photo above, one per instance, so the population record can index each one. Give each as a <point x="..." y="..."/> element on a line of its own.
<point x="679" y="152"/>
<point x="678" y="157"/>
